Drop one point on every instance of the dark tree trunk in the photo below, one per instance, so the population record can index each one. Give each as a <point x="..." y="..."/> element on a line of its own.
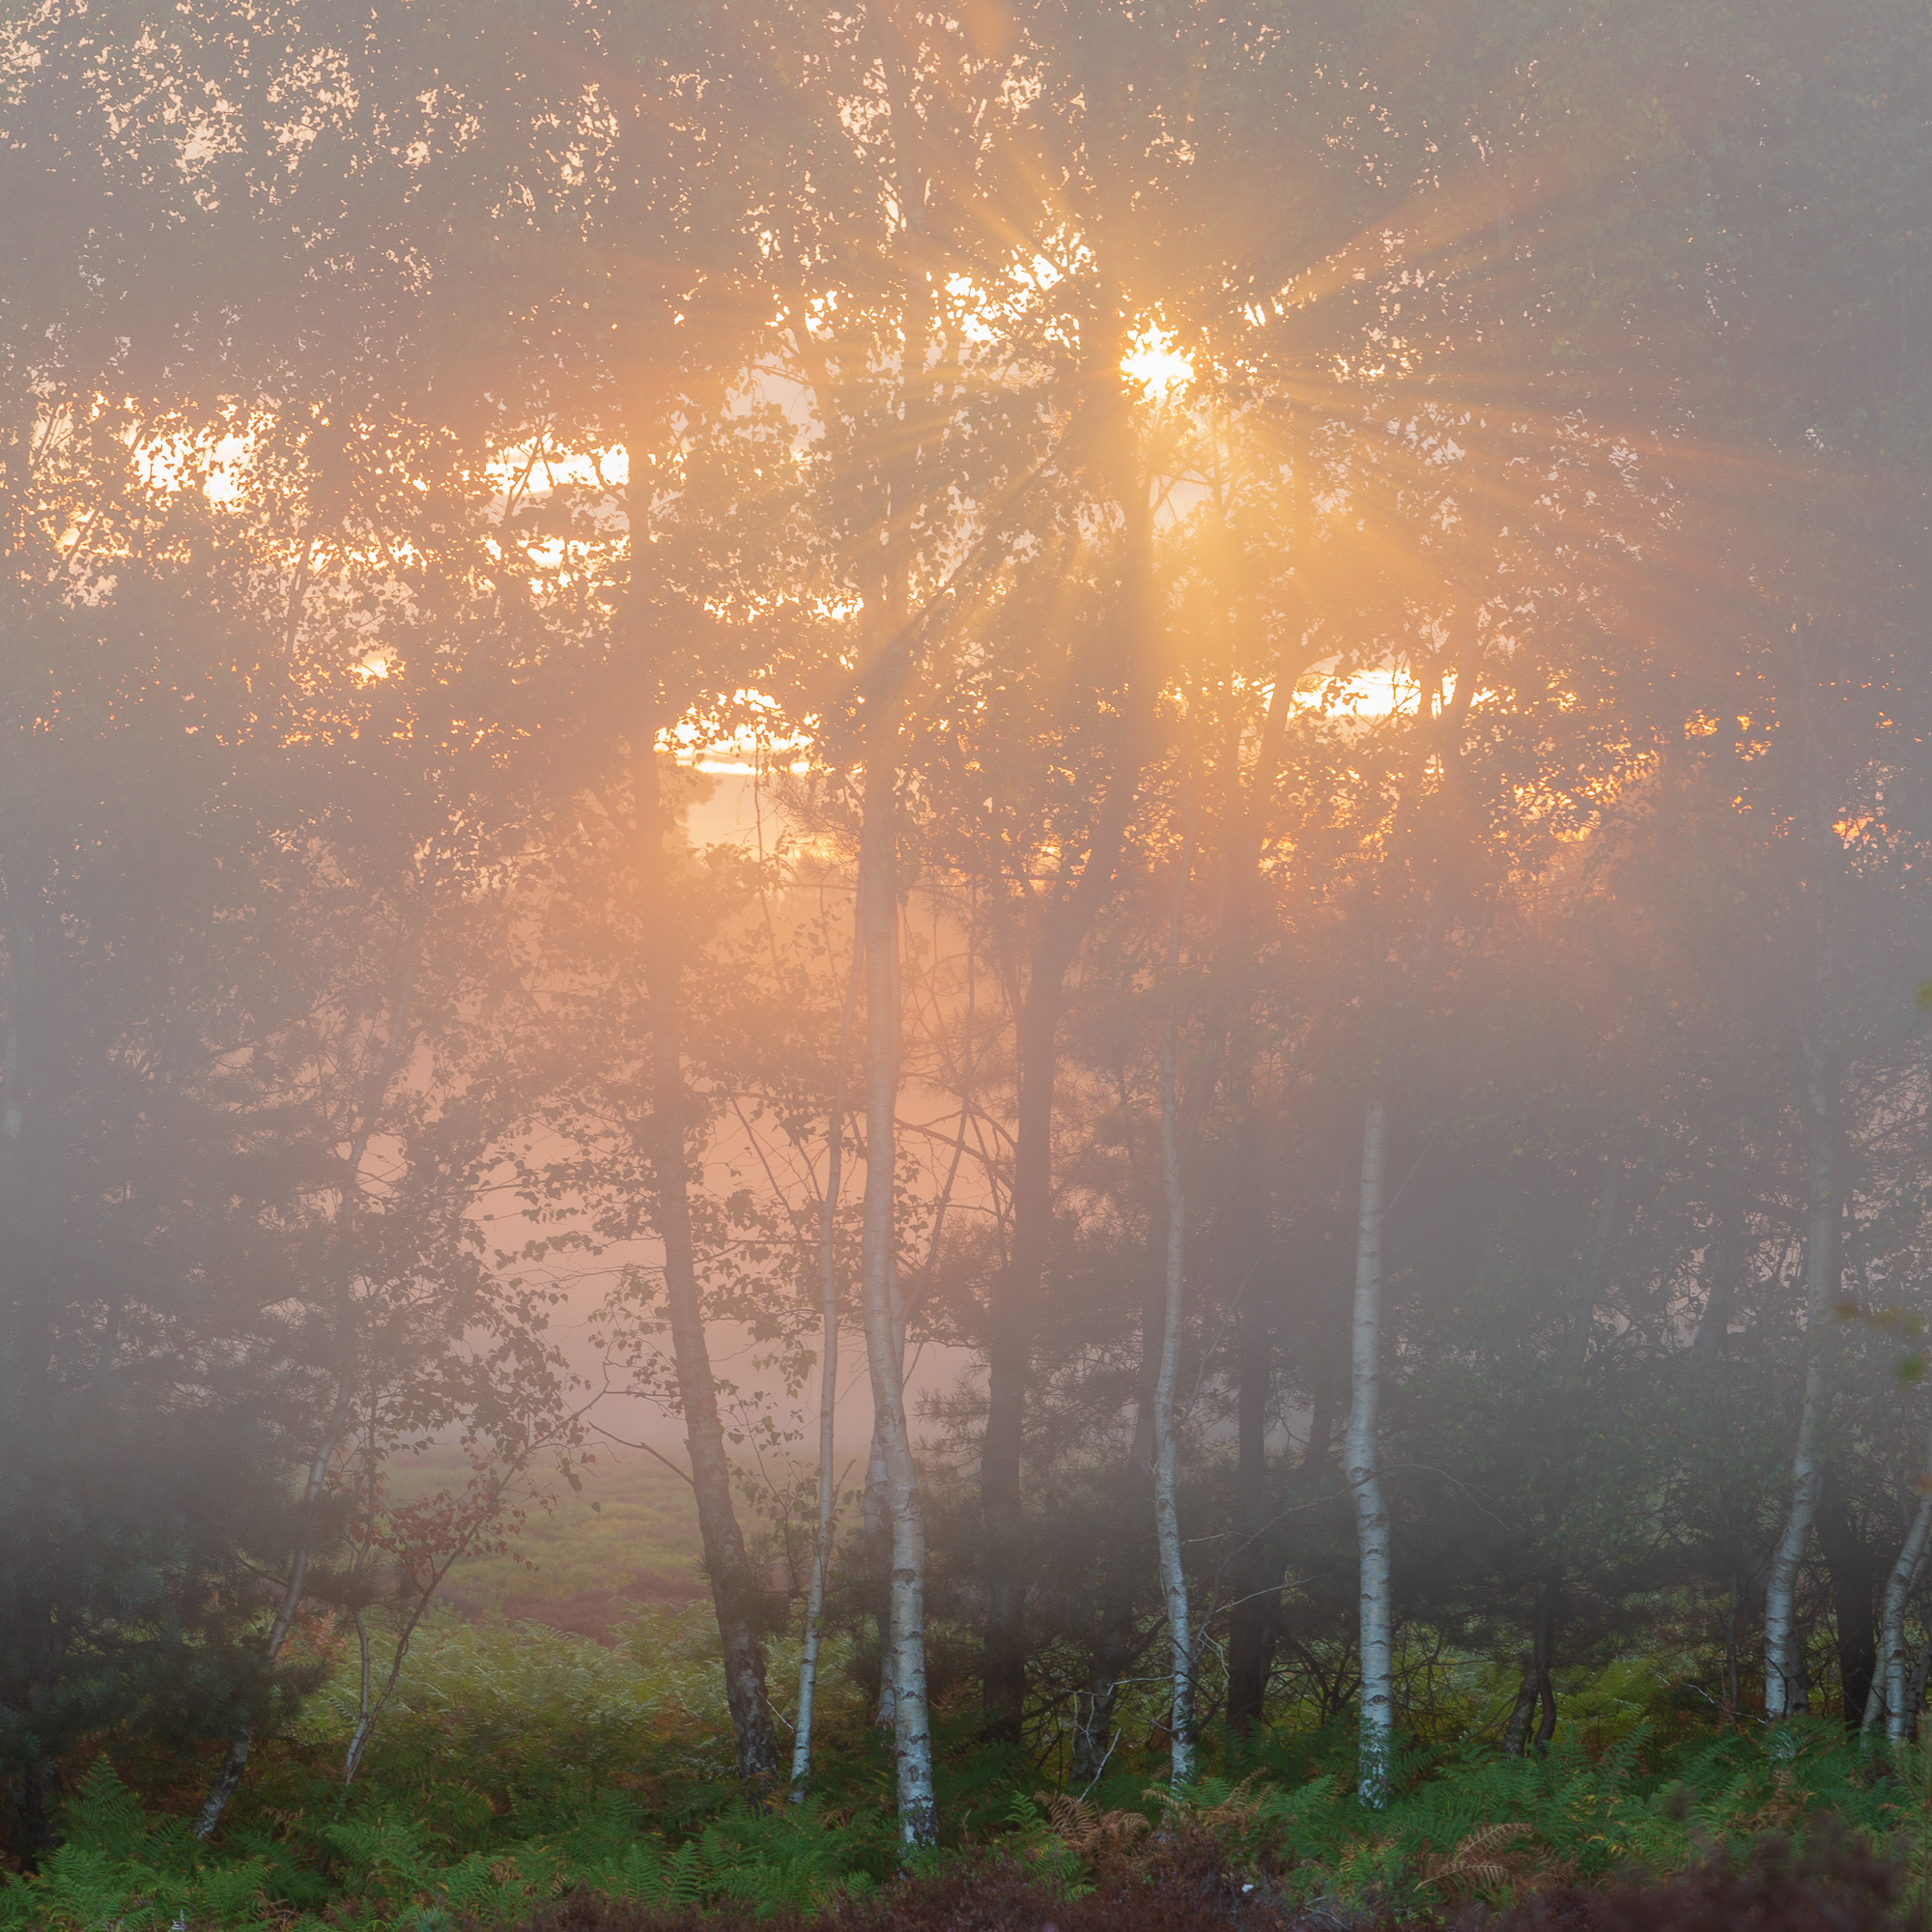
<point x="1537" y="1685"/>
<point x="1129" y="1557"/>
<point x="1254" y="1623"/>
<point x="1016" y="1290"/>
<point x="1731" y="1649"/>
<point x="1253" y="1626"/>
<point x="34" y="1799"/>
<point x="1009" y="1358"/>
<point x="736" y="1592"/>
<point x="1853" y="1578"/>
<point x="1723" y="1264"/>
<point x="1320" y="1441"/>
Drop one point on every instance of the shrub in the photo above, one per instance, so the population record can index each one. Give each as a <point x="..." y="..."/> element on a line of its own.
<point x="1828" y="1883"/>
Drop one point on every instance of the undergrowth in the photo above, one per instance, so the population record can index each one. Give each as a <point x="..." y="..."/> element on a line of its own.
<point x="526" y="1775"/>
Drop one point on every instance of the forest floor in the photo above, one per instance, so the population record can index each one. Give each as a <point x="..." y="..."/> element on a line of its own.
<point x="557" y="1758"/>
<point x="534" y="1780"/>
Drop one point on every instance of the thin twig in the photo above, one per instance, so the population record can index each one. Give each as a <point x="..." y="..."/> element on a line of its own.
<point x="646" y="1448"/>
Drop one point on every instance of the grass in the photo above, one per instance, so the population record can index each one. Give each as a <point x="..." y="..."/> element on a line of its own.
<point x="584" y="1560"/>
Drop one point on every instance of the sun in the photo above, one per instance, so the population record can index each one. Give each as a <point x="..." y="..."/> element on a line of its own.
<point x="1156" y="361"/>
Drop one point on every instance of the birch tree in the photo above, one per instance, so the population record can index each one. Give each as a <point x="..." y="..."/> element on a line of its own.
<point x="1889" y="1692"/>
<point x="880" y="354"/>
<point x="879" y="938"/>
<point x="1785" y="1689"/>
<point x="828" y="1398"/>
<point x="1361" y="1466"/>
<point x="1167" y="1449"/>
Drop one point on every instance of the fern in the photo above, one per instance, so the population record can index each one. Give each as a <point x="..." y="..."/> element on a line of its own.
<point x="104" y="1815"/>
<point x="1479" y="1862"/>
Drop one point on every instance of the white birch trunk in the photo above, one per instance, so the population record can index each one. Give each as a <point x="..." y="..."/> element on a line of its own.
<point x="235" y="1761"/>
<point x="828" y="1402"/>
<point x="1894" y="1658"/>
<point x="369" y="1710"/>
<point x="1363" y="1467"/>
<point x="1785" y="1680"/>
<point x="821" y="1558"/>
<point x="1166" y="1457"/>
<point x="1784" y="1691"/>
<point x="879" y="1504"/>
<point x="905" y="1649"/>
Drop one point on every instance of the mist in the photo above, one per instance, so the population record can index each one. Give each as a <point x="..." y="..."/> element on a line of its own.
<point x="1126" y="811"/>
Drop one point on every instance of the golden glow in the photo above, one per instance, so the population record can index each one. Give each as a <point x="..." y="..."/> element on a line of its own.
<point x="1379" y="691"/>
<point x="1157" y="362"/>
<point x="534" y="469"/>
<point x="757" y="742"/>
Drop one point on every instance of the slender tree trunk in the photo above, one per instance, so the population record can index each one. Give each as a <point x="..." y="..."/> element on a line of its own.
<point x="828" y="1397"/>
<point x="35" y="1808"/>
<point x="1888" y="1690"/>
<point x="370" y="1708"/>
<point x="1849" y="1559"/>
<point x="878" y="1521"/>
<point x="1546" y="1728"/>
<point x="1119" y="1643"/>
<point x="1516" y="1733"/>
<point x="234" y="1760"/>
<point x="1723" y="1259"/>
<point x="1539" y="1686"/>
<point x="1017" y="1289"/>
<point x="878" y="1528"/>
<point x="1914" y="1692"/>
<point x="1731" y="1647"/>
<point x="736" y="1594"/>
<point x="1254" y="1619"/>
<point x="1320" y="1426"/>
<point x="1363" y="1468"/>
<point x="905" y="1651"/>
<point x="1254" y="1623"/>
<point x="227" y="1780"/>
<point x="1167" y="1453"/>
<point x="1724" y="1264"/>
<point x="1112" y="1656"/>
<point x="1784" y="1693"/>
<point x="1009" y="1366"/>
